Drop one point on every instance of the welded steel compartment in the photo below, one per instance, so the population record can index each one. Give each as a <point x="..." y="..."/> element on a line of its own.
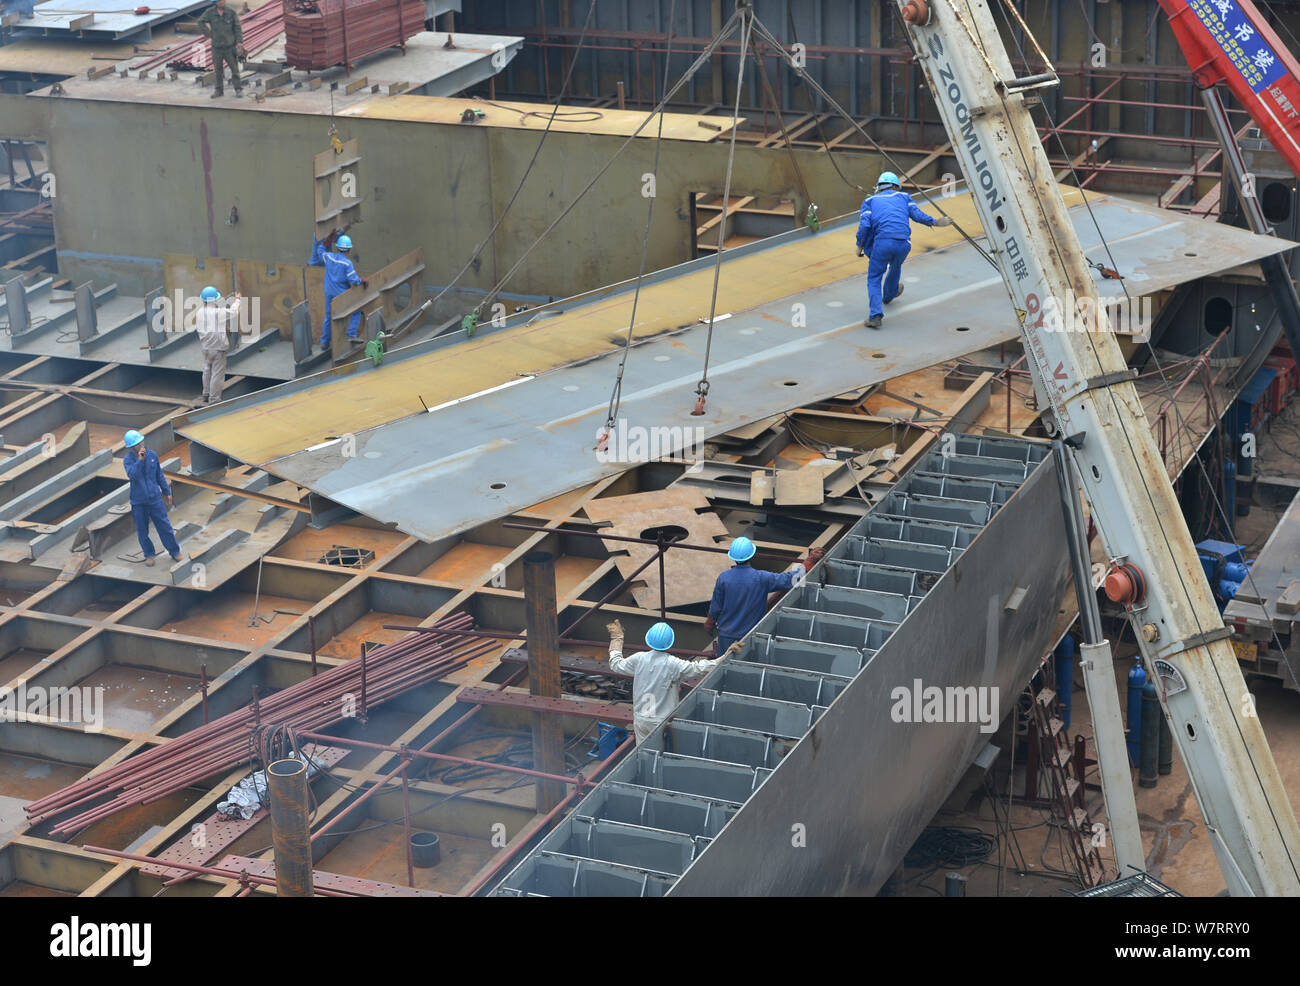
<point x="670" y="811"/>
<point x="795" y="730"/>
<point x="549" y="874"/>
<point x="832" y="628"/>
<point x="921" y="507"/>
<point x="796" y="653"/>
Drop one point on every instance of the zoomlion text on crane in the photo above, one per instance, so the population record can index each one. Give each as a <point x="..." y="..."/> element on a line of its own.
<point x="983" y="176"/>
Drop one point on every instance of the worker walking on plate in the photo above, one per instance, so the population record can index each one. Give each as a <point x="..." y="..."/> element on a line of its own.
<point x="221" y="24"/>
<point x="340" y="274"/>
<point x="740" y="594"/>
<point x="885" y="235"/>
<point x="151" y="495"/>
<point x="214" y="321"/>
<point x="655" y="675"/>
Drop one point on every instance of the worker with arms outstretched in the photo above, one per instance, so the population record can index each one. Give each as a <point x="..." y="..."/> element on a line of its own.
<point x="214" y="325"/>
<point x="740" y="595"/>
<point x="151" y="494"/>
<point x="885" y="235"/>
<point x="340" y="274"/>
<point x="655" y="674"/>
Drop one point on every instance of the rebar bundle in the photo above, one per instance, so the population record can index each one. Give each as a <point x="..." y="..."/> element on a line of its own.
<point x="217" y="747"/>
<point x="260" y="27"/>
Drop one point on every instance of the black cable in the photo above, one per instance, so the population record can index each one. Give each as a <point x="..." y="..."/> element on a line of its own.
<point x="564" y="87"/>
<point x="950" y="845"/>
<point x="703" y="57"/>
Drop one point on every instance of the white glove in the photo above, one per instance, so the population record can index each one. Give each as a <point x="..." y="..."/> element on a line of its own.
<point x="943" y="221"/>
<point x="615" y="629"/>
<point x="860" y="253"/>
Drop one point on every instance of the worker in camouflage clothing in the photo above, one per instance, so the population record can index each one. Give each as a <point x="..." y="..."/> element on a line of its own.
<point x="221" y="24"/>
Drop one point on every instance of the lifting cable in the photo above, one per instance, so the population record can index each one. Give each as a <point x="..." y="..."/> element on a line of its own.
<point x="677" y="87"/>
<point x="616" y="396"/>
<point x="550" y="119"/>
<point x="1133" y="452"/>
<point x="771" y="39"/>
<point x="747" y="19"/>
<point x="817" y="113"/>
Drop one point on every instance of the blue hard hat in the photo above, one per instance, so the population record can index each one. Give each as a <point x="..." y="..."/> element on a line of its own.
<point x="660" y="637"/>
<point x="888" y="178"/>
<point x="133" y="438"/>
<point x="344" y="242"/>
<point x="742" y="549"/>
<point x="209" y="293"/>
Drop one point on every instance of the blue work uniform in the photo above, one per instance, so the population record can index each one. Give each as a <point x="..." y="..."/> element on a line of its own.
<point x="340" y="275"/>
<point x="148" y="487"/>
<point x="885" y="235"/>
<point x="740" y="600"/>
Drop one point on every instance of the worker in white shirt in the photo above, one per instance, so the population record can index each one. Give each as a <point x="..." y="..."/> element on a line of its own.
<point x="655" y="675"/>
<point x="214" y="321"/>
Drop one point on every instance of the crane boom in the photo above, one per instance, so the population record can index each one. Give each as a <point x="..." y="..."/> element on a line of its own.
<point x="1229" y="41"/>
<point x="1080" y="371"/>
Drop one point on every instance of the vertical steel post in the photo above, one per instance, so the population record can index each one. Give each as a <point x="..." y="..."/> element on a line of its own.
<point x="544" y="672"/>
<point x="311" y="636"/>
<point x="286" y="782"/>
<point x="363" y="681"/>
<point x="1099" y="679"/>
<point x="663" y="583"/>
<point x="406" y="822"/>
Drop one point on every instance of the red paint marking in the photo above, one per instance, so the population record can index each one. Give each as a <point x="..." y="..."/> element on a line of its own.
<point x="1059" y="373"/>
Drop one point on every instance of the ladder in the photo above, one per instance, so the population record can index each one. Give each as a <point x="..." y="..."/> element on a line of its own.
<point x="1056" y="758"/>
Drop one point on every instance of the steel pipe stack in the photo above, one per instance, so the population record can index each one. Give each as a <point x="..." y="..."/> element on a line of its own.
<point x="221" y="745"/>
<point x="319" y="34"/>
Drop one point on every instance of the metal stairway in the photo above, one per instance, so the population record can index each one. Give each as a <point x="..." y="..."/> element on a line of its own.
<point x="711" y="793"/>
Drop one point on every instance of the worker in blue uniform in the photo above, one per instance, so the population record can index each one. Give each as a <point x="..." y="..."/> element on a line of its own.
<point x="885" y="235"/>
<point x="740" y="595"/>
<point x="151" y="494"/>
<point x="340" y="274"/>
